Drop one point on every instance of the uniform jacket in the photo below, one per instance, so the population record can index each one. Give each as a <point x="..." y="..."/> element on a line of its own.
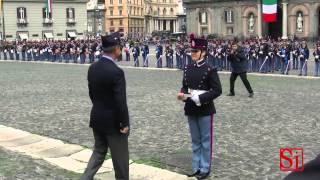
<point x="107" y="90"/>
<point x="201" y="78"/>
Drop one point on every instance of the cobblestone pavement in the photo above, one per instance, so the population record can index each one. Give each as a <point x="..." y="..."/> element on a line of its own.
<point x="15" y="166"/>
<point x="52" y="100"/>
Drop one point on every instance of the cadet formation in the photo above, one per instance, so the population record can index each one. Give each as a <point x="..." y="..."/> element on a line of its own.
<point x="262" y="55"/>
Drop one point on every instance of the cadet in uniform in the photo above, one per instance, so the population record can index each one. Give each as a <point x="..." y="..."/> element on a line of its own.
<point x="303" y="59"/>
<point x="316" y="55"/>
<point x="136" y="54"/>
<point x="200" y="86"/>
<point x="159" y="51"/>
<point x="145" y="55"/>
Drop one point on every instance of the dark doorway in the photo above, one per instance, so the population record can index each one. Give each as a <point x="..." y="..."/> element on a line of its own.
<point x="275" y="29"/>
<point x="171" y="26"/>
<point x="164" y="25"/>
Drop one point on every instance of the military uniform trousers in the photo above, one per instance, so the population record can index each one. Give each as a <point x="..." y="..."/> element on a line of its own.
<point x="118" y="145"/>
<point x="201" y="136"/>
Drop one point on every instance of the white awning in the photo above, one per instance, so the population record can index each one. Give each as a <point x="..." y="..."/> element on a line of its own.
<point x="48" y="35"/>
<point x="72" y="34"/>
<point x="23" y="36"/>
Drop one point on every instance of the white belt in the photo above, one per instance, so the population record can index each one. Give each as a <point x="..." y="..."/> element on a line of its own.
<point x="192" y="92"/>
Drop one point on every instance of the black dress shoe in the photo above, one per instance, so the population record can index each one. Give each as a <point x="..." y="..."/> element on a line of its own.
<point x="230" y="94"/>
<point x="194" y="174"/>
<point x="201" y="176"/>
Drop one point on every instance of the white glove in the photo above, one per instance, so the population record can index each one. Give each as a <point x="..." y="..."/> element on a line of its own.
<point x="195" y="99"/>
<point x="317" y="57"/>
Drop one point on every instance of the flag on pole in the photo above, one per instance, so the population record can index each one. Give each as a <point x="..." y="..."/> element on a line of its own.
<point x="48" y="5"/>
<point x="269" y="9"/>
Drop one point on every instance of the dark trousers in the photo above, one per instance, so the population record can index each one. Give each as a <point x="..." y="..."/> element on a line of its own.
<point x="244" y="79"/>
<point x="118" y="145"/>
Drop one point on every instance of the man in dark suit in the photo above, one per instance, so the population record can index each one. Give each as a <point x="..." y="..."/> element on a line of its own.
<point x="239" y="68"/>
<point x="109" y="115"/>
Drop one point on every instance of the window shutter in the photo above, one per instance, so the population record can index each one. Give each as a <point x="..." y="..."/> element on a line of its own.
<point x="43" y="13"/>
<point x="232" y="17"/>
<point x="226" y="16"/>
<point x="18" y="13"/>
<point x="67" y="11"/>
<point x="73" y="13"/>
<point x="25" y="12"/>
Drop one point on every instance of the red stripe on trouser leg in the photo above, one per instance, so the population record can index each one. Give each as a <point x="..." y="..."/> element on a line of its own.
<point x="211" y="139"/>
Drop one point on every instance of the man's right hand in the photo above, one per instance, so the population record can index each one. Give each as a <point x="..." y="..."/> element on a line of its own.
<point x="180" y="96"/>
<point x="124" y="130"/>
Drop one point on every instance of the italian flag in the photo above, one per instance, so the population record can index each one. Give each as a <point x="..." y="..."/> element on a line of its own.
<point x="269" y="9"/>
<point x="49" y="5"/>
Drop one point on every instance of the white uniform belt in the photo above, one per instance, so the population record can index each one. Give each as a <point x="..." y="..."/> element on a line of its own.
<point x="192" y="92"/>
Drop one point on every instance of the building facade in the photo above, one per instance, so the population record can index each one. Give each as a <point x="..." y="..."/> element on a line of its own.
<point x="96" y="17"/>
<point x="126" y="16"/>
<point x="243" y="18"/>
<point x="161" y="15"/>
<point x="182" y="20"/>
<point x="29" y="19"/>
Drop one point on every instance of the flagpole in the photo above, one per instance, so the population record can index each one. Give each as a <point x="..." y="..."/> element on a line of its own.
<point x="3" y="23"/>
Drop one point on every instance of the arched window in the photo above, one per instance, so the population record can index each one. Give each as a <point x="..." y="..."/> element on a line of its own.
<point x="158" y="11"/>
<point x="203" y="17"/>
<point x="228" y="16"/>
<point x="171" y="11"/>
<point x="164" y="11"/>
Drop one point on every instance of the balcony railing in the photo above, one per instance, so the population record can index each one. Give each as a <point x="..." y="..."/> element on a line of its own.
<point x="47" y="21"/>
<point x="71" y="21"/>
<point x="22" y="21"/>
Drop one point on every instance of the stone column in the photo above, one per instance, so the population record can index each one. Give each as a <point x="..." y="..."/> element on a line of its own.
<point x="284" y="20"/>
<point x="259" y="29"/>
<point x="174" y="26"/>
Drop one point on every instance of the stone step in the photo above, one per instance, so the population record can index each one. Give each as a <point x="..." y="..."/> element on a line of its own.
<point x="7" y="134"/>
<point x="30" y="139"/>
<point x="73" y="157"/>
<point x="60" y="151"/>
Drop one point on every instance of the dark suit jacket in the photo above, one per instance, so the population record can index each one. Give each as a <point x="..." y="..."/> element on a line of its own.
<point x="107" y="90"/>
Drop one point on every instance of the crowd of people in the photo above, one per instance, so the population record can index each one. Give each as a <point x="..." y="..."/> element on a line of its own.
<point x="263" y="55"/>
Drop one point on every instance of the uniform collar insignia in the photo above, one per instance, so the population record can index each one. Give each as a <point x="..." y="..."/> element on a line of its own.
<point x="200" y="62"/>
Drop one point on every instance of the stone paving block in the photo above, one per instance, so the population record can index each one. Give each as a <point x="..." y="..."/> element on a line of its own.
<point x="60" y="151"/>
<point x="108" y="164"/>
<point x="82" y="156"/>
<point x="67" y="163"/>
<point x="39" y="146"/>
<point x="8" y="133"/>
<point x="141" y="171"/>
<point x="72" y="165"/>
<point x="22" y="141"/>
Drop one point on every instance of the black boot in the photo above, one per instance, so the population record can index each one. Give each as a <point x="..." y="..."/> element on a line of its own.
<point x="202" y="176"/>
<point x="194" y="174"/>
<point x="231" y="94"/>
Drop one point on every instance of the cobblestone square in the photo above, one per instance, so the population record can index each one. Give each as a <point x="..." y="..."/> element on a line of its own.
<point x="52" y="100"/>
